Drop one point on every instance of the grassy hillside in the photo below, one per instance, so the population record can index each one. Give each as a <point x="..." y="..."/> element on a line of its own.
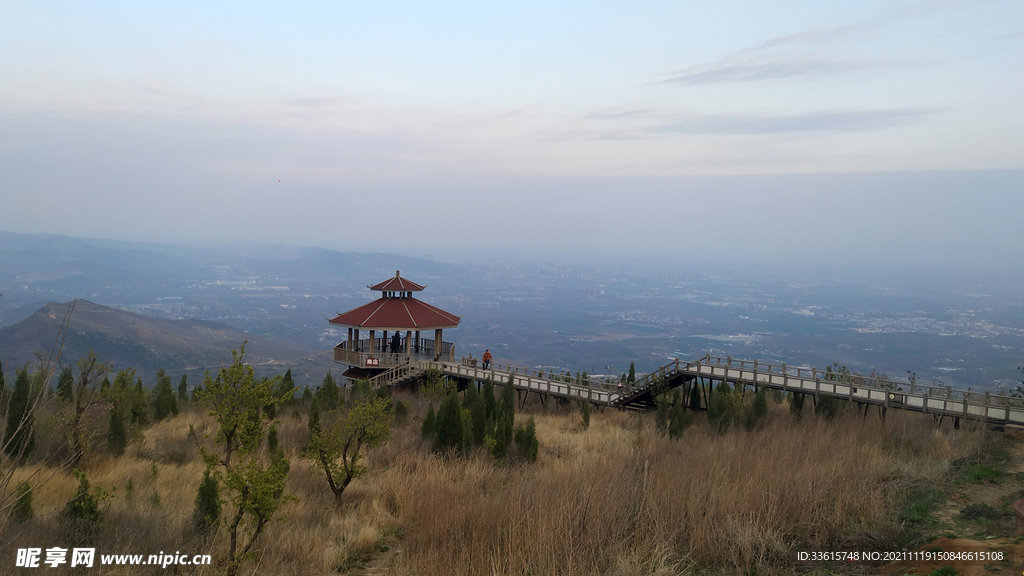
<point x="617" y="498"/>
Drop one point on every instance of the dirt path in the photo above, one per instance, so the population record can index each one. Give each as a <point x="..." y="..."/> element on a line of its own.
<point x="978" y="535"/>
<point x="384" y="563"/>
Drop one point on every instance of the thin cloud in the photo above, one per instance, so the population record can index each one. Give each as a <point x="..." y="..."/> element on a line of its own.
<point x="316" y="102"/>
<point x="621" y="113"/>
<point x="832" y="121"/>
<point x="727" y="70"/>
<point x="799" y="55"/>
<point x="817" y="36"/>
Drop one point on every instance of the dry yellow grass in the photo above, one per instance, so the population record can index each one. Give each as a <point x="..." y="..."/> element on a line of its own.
<point x="618" y="498"/>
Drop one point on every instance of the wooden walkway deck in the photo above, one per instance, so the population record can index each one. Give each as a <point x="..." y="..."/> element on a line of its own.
<point x="944" y="401"/>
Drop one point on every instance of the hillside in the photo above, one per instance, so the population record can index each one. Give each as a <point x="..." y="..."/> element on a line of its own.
<point x="147" y="343"/>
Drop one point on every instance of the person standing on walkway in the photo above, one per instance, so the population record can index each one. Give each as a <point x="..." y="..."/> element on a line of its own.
<point x="487" y="359"/>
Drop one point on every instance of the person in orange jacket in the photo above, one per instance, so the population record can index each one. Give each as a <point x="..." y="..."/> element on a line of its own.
<point x="487" y="359"/>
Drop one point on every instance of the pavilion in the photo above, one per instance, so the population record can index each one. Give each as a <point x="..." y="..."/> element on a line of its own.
<point x="397" y="312"/>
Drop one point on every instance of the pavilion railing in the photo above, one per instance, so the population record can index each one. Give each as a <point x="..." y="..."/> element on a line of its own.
<point x="377" y="354"/>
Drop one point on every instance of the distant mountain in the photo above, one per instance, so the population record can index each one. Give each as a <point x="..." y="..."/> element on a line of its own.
<point x="147" y="343"/>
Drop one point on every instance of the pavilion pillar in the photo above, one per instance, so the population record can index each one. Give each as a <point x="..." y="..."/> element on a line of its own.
<point x="356" y="349"/>
<point x="417" y="345"/>
<point x="384" y="342"/>
<point x="371" y="350"/>
<point x="408" y="345"/>
<point x="437" y="344"/>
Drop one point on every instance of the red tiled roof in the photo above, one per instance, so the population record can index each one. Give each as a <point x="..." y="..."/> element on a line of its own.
<point x="397" y="313"/>
<point x="397" y="284"/>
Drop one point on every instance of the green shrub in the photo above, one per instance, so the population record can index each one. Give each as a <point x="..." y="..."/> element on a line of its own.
<point x="448" y="426"/>
<point x="829" y="407"/>
<point x="722" y="407"/>
<point x="22" y="511"/>
<point x="694" y="396"/>
<point x="401" y="412"/>
<point x="679" y="420"/>
<point x="206" y="512"/>
<point x="526" y="440"/>
<point x="82" y="516"/>
<point x="757" y="410"/>
<point x="796" y="404"/>
<point x="428" y="422"/>
<point x="117" y="434"/>
<point x="661" y="416"/>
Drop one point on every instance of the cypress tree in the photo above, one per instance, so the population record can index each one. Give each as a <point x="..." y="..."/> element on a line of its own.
<point x="328" y="395"/>
<point x="489" y="428"/>
<point x="117" y="434"/>
<point x="759" y="409"/>
<point x="796" y="404"/>
<point x="661" y="417"/>
<point x="20" y="439"/>
<point x="183" y="389"/>
<point x="472" y="394"/>
<point x="501" y="441"/>
<point x="490" y="402"/>
<point x="401" y="411"/>
<point x="504" y="421"/>
<point x="428" y="422"/>
<point x="585" y="413"/>
<point x="632" y="374"/>
<point x="287" y="388"/>
<point x="82" y="515"/>
<point x="272" y="443"/>
<point x="5" y="394"/>
<point x="694" y="396"/>
<point x="478" y="418"/>
<point x="449" y="426"/>
<point x="526" y="440"/>
<point x="206" y="511"/>
<point x="164" y="402"/>
<point x="719" y="413"/>
<point x="468" y="439"/>
<point x="65" y="385"/>
<point x="678" y="420"/>
<point x="313" y="421"/>
<point x="22" y="511"/>
<point x="138" y="404"/>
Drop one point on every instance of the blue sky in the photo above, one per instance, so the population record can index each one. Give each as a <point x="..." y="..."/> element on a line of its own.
<point x="353" y="126"/>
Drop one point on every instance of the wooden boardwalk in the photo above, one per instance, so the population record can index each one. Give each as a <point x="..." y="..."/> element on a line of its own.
<point x="941" y="401"/>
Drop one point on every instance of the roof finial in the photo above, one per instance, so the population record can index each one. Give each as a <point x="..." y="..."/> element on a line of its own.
<point x="397" y="273"/>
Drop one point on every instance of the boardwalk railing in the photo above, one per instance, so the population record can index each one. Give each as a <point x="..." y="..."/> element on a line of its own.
<point x="940" y="400"/>
<point x="532" y="381"/>
<point x="872" y="390"/>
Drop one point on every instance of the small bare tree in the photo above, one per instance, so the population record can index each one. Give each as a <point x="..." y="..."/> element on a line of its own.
<point x="338" y="444"/>
<point x="86" y="397"/>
